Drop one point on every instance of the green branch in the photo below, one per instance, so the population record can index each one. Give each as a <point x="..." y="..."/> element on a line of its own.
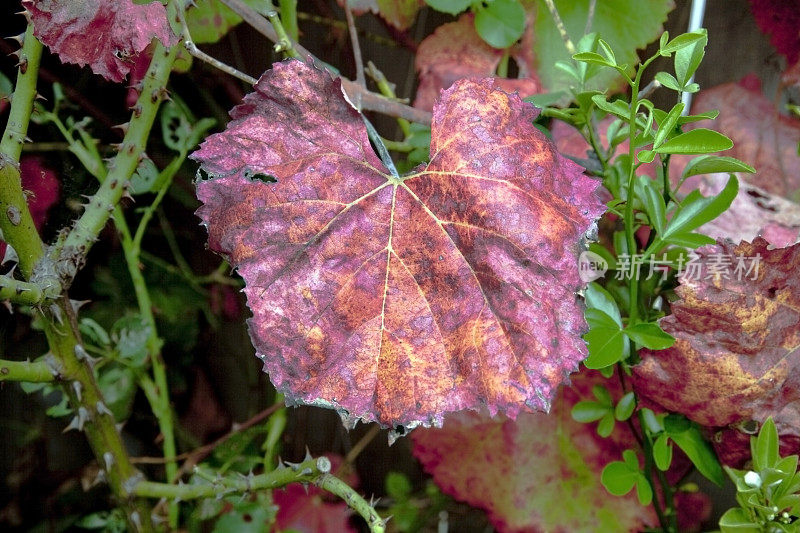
<point x="16" y="222"/>
<point x="26" y="293"/>
<point x="315" y="471"/>
<point x="77" y="244"/>
<point x="30" y="371"/>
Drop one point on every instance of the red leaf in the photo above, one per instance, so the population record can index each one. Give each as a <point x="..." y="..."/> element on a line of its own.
<point x="400" y="299"/>
<point x="779" y="19"/>
<point x="736" y="355"/>
<point x="538" y="473"/>
<point x="105" y="35"/>
<point x="41" y="187"/>
<point x="762" y="137"/>
<point x="456" y="51"/>
<point x="308" y="512"/>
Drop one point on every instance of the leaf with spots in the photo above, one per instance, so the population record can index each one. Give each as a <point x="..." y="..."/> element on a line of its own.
<point x="107" y="36"/>
<point x="538" y="473"/>
<point x="398" y="299"/>
<point x="455" y="50"/>
<point x="210" y="20"/>
<point x="737" y="351"/>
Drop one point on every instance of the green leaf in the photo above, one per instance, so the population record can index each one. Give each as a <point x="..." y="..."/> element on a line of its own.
<point x="118" y="385"/>
<point x="246" y="517"/>
<point x="588" y="411"/>
<point x="501" y="22"/>
<point x="604" y="339"/>
<point x="688" y="58"/>
<point x="454" y="7"/>
<point x="736" y="520"/>
<point x="593" y="58"/>
<point x="668" y="80"/>
<point x="398" y="486"/>
<point x="598" y="298"/>
<point x="646" y="156"/>
<point x="699" y="141"/>
<point x="131" y="334"/>
<point x="662" y="452"/>
<point x="607" y="51"/>
<point x="210" y="20"/>
<point x="699" y="452"/>
<point x="653" y="203"/>
<point x="603" y="396"/>
<point x="709" y="164"/>
<point x="94" y="332"/>
<point x="682" y="41"/>
<point x="643" y="490"/>
<point x="650" y="335"/>
<point x="626" y="25"/>
<point x="618" y="479"/>
<point x="625" y="407"/>
<point x="606" y="425"/>
<point x="696" y="209"/>
<point x="705" y="115"/>
<point x="689" y="240"/>
<point x="545" y="99"/>
<point x="618" y="108"/>
<point x="145" y="176"/>
<point x="764" y="448"/>
<point x="667" y="125"/>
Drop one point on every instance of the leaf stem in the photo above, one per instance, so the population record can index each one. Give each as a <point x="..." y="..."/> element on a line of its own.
<point x="288" y="9"/>
<point x="562" y="30"/>
<point x="30" y="371"/>
<point x="351" y="26"/>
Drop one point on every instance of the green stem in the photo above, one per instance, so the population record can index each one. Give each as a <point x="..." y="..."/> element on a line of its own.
<point x="30" y="371"/>
<point x="648" y="473"/>
<point x="288" y="10"/>
<point x="16" y="222"/>
<point x="387" y="90"/>
<point x="77" y="244"/>
<point x="27" y="293"/>
<point x="284" y="43"/>
<point x="309" y="471"/>
<point x="502" y="67"/>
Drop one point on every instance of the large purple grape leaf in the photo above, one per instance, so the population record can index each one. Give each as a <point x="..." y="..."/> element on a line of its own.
<point x="398" y="299"/>
<point x="538" y="473"/>
<point x="105" y="35"/>
<point x="736" y="356"/>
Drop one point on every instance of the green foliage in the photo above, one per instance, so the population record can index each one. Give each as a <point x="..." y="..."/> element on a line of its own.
<point x="768" y="493"/>
<point x="499" y="22"/>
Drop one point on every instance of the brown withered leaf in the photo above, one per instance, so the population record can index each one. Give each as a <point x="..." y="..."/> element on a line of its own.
<point x="107" y="36"/>
<point x="455" y="51"/>
<point x="737" y="351"/>
<point x="398" y="299"/>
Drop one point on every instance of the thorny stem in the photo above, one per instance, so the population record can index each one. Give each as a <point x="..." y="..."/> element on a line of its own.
<point x="315" y="471"/>
<point x="27" y="293"/>
<point x="16" y="222"/>
<point x="369" y="100"/>
<point x="562" y="30"/>
<point x="30" y="371"/>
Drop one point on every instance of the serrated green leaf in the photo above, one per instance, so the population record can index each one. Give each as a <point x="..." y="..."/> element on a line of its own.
<point x="625" y="407"/>
<point x="709" y="164"/>
<point x="588" y="411"/>
<point x="698" y="141"/>
<point x="662" y="452"/>
<point x="650" y="335"/>
<point x="454" y="7"/>
<point x="501" y="22"/>
<point x="765" y="446"/>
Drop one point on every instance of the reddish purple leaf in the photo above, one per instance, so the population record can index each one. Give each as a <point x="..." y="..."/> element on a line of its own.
<point x="400" y="299"/>
<point x="780" y="19"/>
<point x="105" y="35"/>
<point x="538" y="473"/>
<point x="306" y="511"/>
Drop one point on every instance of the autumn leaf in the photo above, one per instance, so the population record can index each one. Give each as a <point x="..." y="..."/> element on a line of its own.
<point x="398" y="299"/>
<point x="736" y="354"/>
<point x="762" y="137"/>
<point x="210" y="20"/>
<point x="455" y="51"/>
<point x="398" y="13"/>
<point x="305" y="510"/>
<point x="107" y="36"/>
<point x="538" y="473"/>
<point x="779" y="19"/>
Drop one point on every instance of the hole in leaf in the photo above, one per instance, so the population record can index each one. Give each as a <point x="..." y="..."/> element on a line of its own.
<point x="259" y="176"/>
<point x="247" y="517"/>
<point x="771" y="292"/>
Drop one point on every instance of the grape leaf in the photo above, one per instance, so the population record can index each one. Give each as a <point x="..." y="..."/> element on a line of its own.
<point x="737" y="354"/>
<point x="762" y="137"/>
<point x="754" y="212"/>
<point x="210" y="20"/>
<point x="779" y="19"/>
<point x="398" y="13"/>
<point x="107" y="36"/>
<point x="626" y="25"/>
<point x="305" y="511"/>
<point x="455" y="50"/>
<point x="397" y="299"/>
<point x="538" y="473"/>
